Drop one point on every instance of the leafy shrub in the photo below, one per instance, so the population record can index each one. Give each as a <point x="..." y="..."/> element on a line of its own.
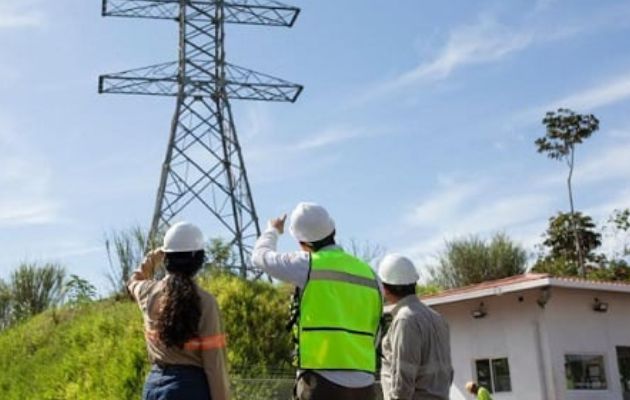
<point x="35" y="288"/>
<point x="254" y="316"/>
<point x="78" y="291"/>
<point x="98" y="352"/>
<point x="94" y="352"/>
<point x="471" y="260"/>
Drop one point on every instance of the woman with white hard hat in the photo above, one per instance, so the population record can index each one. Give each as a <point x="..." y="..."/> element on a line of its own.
<point x="185" y="340"/>
<point x="416" y="355"/>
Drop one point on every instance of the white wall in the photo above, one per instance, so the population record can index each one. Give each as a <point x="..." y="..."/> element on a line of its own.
<point x="508" y="330"/>
<point x="535" y="340"/>
<point x="573" y="327"/>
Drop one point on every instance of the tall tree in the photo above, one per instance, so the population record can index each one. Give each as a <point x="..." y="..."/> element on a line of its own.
<point x="621" y="219"/>
<point x="34" y="289"/>
<point x="560" y="237"/>
<point x="564" y="130"/>
<point x="621" y="223"/>
<point x="473" y="260"/>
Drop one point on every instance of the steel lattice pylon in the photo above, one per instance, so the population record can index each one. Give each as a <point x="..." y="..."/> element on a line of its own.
<point x="204" y="163"/>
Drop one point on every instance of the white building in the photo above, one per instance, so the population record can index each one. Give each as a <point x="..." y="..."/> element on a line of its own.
<point x="535" y="337"/>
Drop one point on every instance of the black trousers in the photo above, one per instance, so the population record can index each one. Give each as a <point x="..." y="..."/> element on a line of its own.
<point x="312" y="386"/>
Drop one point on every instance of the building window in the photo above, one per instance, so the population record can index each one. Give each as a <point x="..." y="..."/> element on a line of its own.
<point x="494" y="374"/>
<point x="585" y="372"/>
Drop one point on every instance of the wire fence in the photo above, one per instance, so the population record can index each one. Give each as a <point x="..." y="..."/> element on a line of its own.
<point x="273" y="388"/>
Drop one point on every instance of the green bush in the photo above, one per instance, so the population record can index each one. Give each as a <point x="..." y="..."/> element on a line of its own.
<point x="471" y="260"/>
<point x="86" y="353"/>
<point x="254" y="316"/>
<point x="97" y="351"/>
<point x="34" y="288"/>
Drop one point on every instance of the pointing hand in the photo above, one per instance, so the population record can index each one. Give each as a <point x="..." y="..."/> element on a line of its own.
<point x="278" y="223"/>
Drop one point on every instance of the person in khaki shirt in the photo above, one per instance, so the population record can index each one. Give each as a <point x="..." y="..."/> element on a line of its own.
<point x="416" y="352"/>
<point x="182" y="324"/>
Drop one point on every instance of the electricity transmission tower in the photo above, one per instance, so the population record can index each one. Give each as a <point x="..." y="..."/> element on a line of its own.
<point x="204" y="166"/>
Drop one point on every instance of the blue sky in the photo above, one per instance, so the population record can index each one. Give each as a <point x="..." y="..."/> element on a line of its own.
<point x="416" y="124"/>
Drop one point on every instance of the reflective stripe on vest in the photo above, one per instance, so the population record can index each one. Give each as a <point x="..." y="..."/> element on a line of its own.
<point x="340" y="309"/>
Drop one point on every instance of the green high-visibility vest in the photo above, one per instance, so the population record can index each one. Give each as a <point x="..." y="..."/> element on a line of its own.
<point x="340" y="310"/>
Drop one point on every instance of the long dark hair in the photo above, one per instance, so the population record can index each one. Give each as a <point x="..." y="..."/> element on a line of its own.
<point x="178" y="321"/>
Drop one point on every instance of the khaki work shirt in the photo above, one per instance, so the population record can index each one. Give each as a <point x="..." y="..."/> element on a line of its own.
<point x="207" y="351"/>
<point x="416" y="349"/>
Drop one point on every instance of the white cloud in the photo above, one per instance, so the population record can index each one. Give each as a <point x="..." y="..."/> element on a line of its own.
<point x="601" y="212"/>
<point x="483" y="42"/>
<point x="444" y="205"/>
<point x="610" y="163"/>
<point x="19" y="212"/>
<point x="255" y="122"/>
<point x="20" y="14"/>
<point x="273" y="161"/>
<point x="26" y="182"/>
<point x="503" y="213"/>
<point x="328" y="137"/>
<point x="480" y="208"/>
<point x="623" y="134"/>
<point x="485" y="207"/>
<point x="475" y="44"/>
<point x="66" y="248"/>
<point x="464" y="208"/>
<point x="488" y="40"/>
<point x="324" y="138"/>
<point x="610" y="92"/>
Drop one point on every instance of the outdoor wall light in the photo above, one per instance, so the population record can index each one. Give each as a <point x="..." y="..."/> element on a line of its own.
<point x="479" y="312"/>
<point x="599" y="306"/>
<point x="543" y="299"/>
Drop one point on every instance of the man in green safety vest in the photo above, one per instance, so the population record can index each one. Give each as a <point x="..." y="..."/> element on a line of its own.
<point x="339" y="309"/>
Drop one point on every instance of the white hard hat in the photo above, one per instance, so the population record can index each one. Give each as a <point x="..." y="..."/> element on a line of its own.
<point x="183" y="236"/>
<point x="311" y="223"/>
<point x="395" y="269"/>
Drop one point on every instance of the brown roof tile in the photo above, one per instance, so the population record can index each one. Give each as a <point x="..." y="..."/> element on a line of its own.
<point x="516" y="279"/>
<point x="489" y="285"/>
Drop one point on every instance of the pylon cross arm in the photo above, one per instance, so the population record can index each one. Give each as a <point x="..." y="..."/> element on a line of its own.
<point x="245" y="84"/>
<point x="158" y="79"/>
<point x="250" y="12"/>
<point x="203" y="167"/>
<point x="162" y="80"/>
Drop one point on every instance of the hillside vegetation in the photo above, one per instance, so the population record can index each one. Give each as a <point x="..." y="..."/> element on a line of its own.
<point x="97" y="350"/>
